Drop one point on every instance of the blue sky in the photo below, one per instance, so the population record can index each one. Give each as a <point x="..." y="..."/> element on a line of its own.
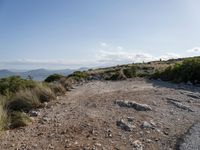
<point x="57" y="34"/>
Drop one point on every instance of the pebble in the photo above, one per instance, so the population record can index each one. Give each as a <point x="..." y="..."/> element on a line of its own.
<point x="33" y="113"/>
<point x="130" y="119"/>
<point x="146" y="125"/>
<point x="137" y="145"/>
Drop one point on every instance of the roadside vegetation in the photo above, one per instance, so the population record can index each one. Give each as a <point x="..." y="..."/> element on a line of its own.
<point x="185" y="71"/>
<point x="20" y="96"/>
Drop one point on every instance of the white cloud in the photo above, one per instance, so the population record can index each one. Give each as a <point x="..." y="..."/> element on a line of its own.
<point x="107" y="55"/>
<point x="121" y="56"/>
<point x="103" y="44"/>
<point x="118" y="55"/>
<point x="169" y="56"/>
<point x="194" y="50"/>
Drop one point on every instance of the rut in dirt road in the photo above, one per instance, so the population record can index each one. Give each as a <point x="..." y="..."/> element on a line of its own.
<point x="89" y="118"/>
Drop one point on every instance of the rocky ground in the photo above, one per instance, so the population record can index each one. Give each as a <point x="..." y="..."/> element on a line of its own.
<point x="134" y="114"/>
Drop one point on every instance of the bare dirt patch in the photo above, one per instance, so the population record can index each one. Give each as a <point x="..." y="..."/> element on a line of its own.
<point x="86" y="118"/>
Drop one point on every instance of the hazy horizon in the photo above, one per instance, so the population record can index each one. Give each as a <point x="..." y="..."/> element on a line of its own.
<point x="73" y="34"/>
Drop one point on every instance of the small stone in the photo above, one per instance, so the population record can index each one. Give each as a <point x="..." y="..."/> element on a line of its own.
<point x="130" y="119"/>
<point x="46" y="119"/>
<point x="67" y="145"/>
<point x="51" y="147"/>
<point x="98" y="144"/>
<point x="109" y="133"/>
<point x="158" y="130"/>
<point x="154" y="103"/>
<point x="146" y="125"/>
<point x="35" y="145"/>
<point x="34" y="113"/>
<point x="137" y="145"/>
<point x="149" y="140"/>
<point x="152" y="123"/>
<point x="148" y="132"/>
<point x="45" y="104"/>
<point x="124" y="125"/>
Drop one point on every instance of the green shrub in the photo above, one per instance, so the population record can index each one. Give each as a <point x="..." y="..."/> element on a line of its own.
<point x="78" y="75"/>
<point x="142" y="75"/>
<point x="130" y="72"/>
<point x="53" y="78"/>
<point x="188" y="70"/>
<point x="11" y="85"/>
<point x="113" y="77"/>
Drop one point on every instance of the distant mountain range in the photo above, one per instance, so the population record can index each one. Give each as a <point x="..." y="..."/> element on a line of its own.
<point x="38" y="74"/>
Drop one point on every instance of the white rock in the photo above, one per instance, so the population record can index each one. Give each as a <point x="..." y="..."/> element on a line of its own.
<point x="137" y="145"/>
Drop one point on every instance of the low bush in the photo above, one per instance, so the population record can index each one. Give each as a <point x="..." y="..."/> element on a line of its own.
<point x="11" y="85"/>
<point x="143" y="75"/>
<point x="79" y="75"/>
<point x="22" y="95"/>
<point x="130" y="72"/>
<point x="188" y="70"/>
<point x="113" y="76"/>
<point x="53" y="78"/>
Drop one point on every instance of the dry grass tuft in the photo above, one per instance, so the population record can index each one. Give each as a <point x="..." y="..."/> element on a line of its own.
<point x="3" y="114"/>
<point x="67" y="83"/>
<point x="23" y="101"/>
<point x="19" y="119"/>
<point x="58" y="89"/>
<point x="44" y="93"/>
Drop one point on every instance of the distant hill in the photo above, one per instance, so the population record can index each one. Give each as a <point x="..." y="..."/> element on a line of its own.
<point x="38" y="74"/>
<point x="6" y="73"/>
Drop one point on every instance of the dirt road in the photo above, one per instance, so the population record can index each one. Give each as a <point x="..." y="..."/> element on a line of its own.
<point x="89" y="118"/>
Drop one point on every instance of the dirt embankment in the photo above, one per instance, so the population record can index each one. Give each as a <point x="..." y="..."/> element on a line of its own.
<point x="123" y="115"/>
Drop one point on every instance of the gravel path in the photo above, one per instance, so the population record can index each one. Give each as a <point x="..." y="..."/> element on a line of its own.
<point x="89" y="118"/>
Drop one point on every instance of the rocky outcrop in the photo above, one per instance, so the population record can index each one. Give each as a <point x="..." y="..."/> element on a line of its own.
<point x="180" y="105"/>
<point x="133" y="104"/>
<point x="125" y="125"/>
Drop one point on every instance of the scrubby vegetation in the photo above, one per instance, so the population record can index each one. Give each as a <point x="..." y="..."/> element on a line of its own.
<point x="23" y="101"/>
<point x="11" y="85"/>
<point x="53" y="78"/>
<point x="185" y="71"/>
<point x="3" y="114"/>
<point x="130" y="72"/>
<point x="19" y="96"/>
<point x="19" y="119"/>
<point x="57" y="88"/>
<point x="78" y="75"/>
